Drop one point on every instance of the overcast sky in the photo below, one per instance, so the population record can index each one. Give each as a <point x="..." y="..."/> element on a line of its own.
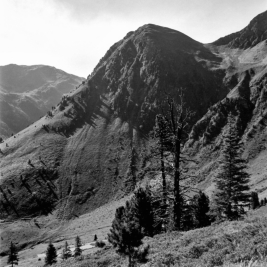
<point x="73" y="35"/>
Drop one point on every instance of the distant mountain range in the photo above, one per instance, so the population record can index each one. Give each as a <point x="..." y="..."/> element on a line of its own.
<point x="28" y="92"/>
<point x="94" y="146"/>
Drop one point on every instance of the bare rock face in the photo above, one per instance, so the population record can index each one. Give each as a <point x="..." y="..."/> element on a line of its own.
<point x="250" y="36"/>
<point x="28" y="92"/>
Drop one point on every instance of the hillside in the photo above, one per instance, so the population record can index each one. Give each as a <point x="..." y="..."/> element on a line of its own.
<point x="93" y="148"/>
<point x="28" y="92"/>
<point x="89" y="140"/>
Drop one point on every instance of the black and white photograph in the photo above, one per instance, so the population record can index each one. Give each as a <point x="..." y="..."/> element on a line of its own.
<point x="133" y="133"/>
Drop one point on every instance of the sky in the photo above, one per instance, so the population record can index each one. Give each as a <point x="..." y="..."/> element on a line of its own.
<point x="73" y="35"/>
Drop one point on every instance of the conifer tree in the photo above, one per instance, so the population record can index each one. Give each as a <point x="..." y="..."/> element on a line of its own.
<point x="13" y="255"/>
<point x="162" y="134"/>
<point x="255" y="202"/>
<point x="187" y="219"/>
<point x="231" y="194"/>
<point x="51" y="254"/>
<point x="172" y="127"/>
<point x="142" y="207"/>
<point x="95" y="238"/>
<point x="201" y="209"/>
<point x="125" y="234"/>
<point x="66" y="251"/>
<point x="78" y="244"/>
<point x="176" y="121"/>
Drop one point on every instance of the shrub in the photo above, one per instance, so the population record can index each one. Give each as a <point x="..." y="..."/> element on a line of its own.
<point x="100" y="244"/>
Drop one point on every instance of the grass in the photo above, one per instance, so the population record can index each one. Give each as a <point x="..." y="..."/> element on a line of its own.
<point x="229" y="244"/>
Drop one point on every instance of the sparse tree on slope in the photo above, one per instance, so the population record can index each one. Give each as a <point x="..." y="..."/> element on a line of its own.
<point x="231" y="194"/>
<point x="66" y="251"/>
<point x="142" y="207"/>
<point x="176" y="120"/>
<point x="201" y="209"/>
<point x="13" y="255"/>
<point x="125" y="234"/>
<point x="78" y="244"/>
<point x="51" y="254"/>
<point x="255" y="203"/>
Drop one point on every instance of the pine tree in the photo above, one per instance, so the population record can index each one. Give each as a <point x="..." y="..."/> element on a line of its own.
<point x="255" y="203"/>
<point x="125" y="234"/>
<point x="66" y="251"/>
<point x="231" y="194"/>
<point x="142" y="207"/>
<point x="51" y="254"/>
<point x="13" y="255"/>
<point x="78" y="244"/>
<point x="161" y="133"/>
<point x="201" y="209"/>
<point x="187" y="219"/>
<point x="175" y="119"/>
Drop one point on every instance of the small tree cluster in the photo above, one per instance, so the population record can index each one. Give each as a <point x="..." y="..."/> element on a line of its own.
<point x="256" y="202"/>
<point x="66" y="253"/>
<point x="126" y="233"/>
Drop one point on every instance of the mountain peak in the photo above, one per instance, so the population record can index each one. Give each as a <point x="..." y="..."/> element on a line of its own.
<point x="251" y="35"/>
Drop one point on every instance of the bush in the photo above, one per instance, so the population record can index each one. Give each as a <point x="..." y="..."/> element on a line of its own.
<point x="100" y="244"/>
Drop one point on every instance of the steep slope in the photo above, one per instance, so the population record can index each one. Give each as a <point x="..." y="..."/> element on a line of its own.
<point x="90" y="148"/>
<point x="248" y="102"/>
<point x="28" y="92"/>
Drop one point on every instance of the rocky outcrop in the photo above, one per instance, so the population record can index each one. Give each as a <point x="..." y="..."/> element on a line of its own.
<point x="250" y="36"/>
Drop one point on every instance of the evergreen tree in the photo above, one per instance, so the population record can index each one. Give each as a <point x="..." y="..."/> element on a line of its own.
<point x="13" y="255"/>
<point x="78" y="244"/>
<point x="187" y="219"/>
<point x="201" y="209"/>
<point x="51" y="254"/>
<point x="66" y="251"/>
<point x="175" y="119"/>
<point x="231" y="194"/>
<point x="125" y="234"/>
<point x="255" y="203"/>
<point x="142" y="207"/>
<point x="161" y="133"/>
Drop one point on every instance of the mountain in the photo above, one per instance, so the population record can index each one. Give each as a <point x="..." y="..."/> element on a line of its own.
<point x="87" y="143"/>
<point x="28" y="92"/>
<point x="248" y="37"/>
<point x="94" y="146"/>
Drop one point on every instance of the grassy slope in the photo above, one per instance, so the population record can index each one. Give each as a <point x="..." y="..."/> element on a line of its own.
<point x="237" y="243"/>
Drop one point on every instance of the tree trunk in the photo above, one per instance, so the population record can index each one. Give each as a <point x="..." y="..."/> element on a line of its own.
<point x="130" y="260"/>
<point x="177" y="197"/>
<point x="163" y="174"/>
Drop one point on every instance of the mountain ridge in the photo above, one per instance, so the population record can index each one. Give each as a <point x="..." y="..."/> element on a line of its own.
<point x="28" y="92"/>
<point x="250" y="36"/>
